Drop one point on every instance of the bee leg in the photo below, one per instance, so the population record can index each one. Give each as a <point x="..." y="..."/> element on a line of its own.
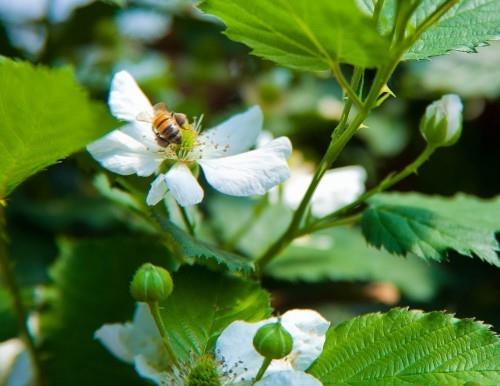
<point x="181" y="119"/>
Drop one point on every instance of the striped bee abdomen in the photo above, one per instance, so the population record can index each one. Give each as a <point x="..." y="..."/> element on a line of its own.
<point x="166" y="129"/>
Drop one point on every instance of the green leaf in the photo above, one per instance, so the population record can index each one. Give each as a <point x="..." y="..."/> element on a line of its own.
<point x="405" y="347"/>
<point x="429" y="226"/>
<point x="91" y="288"/>
<point x="203" y="304"/>
<point x="466" y="26"/>
<point x="44" y="116"/>
<point x="303" y="34"/>
<point x="342" y="254"/>
<point x="192" y="250"/>
<point x="469" y="24"/>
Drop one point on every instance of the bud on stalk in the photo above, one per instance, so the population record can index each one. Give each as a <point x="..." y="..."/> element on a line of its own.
<point x="441" y="124"/>
<point x="151" y="284"/>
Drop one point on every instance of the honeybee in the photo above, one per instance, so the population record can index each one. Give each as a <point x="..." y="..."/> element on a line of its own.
<point x="166" y="124"/>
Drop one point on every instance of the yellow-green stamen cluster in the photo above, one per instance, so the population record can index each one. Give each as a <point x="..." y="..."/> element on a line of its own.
<point x="204" y="373"/>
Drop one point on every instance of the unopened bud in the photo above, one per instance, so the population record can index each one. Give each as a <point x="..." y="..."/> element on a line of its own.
<point x="151" y="284"/>
<point x="441" y="124"/>
<point x="273" y="341"/>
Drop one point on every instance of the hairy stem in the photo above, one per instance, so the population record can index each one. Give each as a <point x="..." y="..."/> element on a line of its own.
<point x="346" y="87"/>
<point x="154" y="307"/>
<point x="9" y="280"/>
<point x="265" y="364"/>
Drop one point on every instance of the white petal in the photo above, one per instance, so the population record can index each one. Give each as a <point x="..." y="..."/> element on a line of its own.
<point x="123" y="154"/>
<point x="126" y="100"/>
<point x="9" y="350"/>
<point x="308" y="329"/>
<point x="234" y="348"/>
<point x="157" y="191"/>
<point x="139" y="337"/>
<point x="147" y="371"/>
<point x="21" y="373"/>
<point x="337" y="188"/>
<point x="253" y="172"/>
<point x="183" y="185"/>
<point x="289" y="378"/>
<point x="237" y="134"/>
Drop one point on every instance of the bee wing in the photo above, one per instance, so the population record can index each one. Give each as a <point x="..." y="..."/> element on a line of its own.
<point x="160" y="108"/>
<point x="144" y="117"/>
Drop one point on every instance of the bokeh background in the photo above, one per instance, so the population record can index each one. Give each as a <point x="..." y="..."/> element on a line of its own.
<point x="181" y="57"/>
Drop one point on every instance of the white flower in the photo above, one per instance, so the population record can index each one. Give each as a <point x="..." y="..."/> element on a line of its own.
<point x="221" y="152"/>
<point x="235" y="349"/>
<point x="139" y="343"/>
<point x="337" y="188"/>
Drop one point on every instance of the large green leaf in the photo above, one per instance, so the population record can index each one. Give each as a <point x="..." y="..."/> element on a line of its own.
<point x="91" y="288"/>
<point x="405" y="347"/>
<point x="467" y="25"/>
<point x="429" y="226"/>
<point x="44" y="116"/>
<point x="203" y="304"/>
<point x="302" y="34"/>
<point x="342" y="254"/>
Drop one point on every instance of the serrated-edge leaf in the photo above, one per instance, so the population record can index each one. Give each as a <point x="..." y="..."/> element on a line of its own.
<point x="424" y="226"/>
<point x="44" y="116"/>
<point x="204" y="303"/>
<point x="471" y="23"/>
<point x="405" y="347"/>
<point x="289" y="33"/>
<point x="197" y="251"/>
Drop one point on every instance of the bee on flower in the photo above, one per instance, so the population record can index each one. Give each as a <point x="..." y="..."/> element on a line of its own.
<point x="157" y="141"/>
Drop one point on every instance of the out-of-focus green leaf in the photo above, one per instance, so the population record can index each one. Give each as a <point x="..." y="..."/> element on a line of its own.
<point x="8" y="322"/>
<point x="44" y="116"/>
<point x="405" y="347"/>
<point x="203" y="304"/>
<point x="429" y="226"/>
<point x="342" y="254"/>
<point x="306" y="35"/>
<point x="91" y="288"/>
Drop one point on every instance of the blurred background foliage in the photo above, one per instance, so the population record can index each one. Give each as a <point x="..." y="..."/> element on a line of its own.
<point x="180" y="56"/>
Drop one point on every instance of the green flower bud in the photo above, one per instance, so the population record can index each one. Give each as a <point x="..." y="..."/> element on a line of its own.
<point x="273" y="341"/>
<point x="441" y="124"/>
<point x="151" y="284"/>
<point x="204" y="373"/>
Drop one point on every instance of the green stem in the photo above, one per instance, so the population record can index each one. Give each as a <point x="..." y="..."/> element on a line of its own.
<point x="187" y="220"/>
<point x="385" y="184"/>
<point x="265" y="364"/>
<point x="346" y="87"/>
<point x="377" y="11"/>
<point x="154" y="307"/>
<point x="10" y="282"/>
<point x="318" y="226"/>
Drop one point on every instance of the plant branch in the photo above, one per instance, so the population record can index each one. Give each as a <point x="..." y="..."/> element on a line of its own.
<point x="10" y="282"/>
<point x="392" y="179"/>
<point x="346" y="87"/>
<point x="377" y="11"/>
<point x="155" y="312"/>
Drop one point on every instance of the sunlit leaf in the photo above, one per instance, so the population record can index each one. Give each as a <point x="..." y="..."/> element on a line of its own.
<point x="306" y="35"/>
<point x="44" y="116"/>
<point x="430" y="226"/>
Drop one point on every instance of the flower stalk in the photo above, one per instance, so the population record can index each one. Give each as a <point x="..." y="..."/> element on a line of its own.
<point x="154" y="307"/>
